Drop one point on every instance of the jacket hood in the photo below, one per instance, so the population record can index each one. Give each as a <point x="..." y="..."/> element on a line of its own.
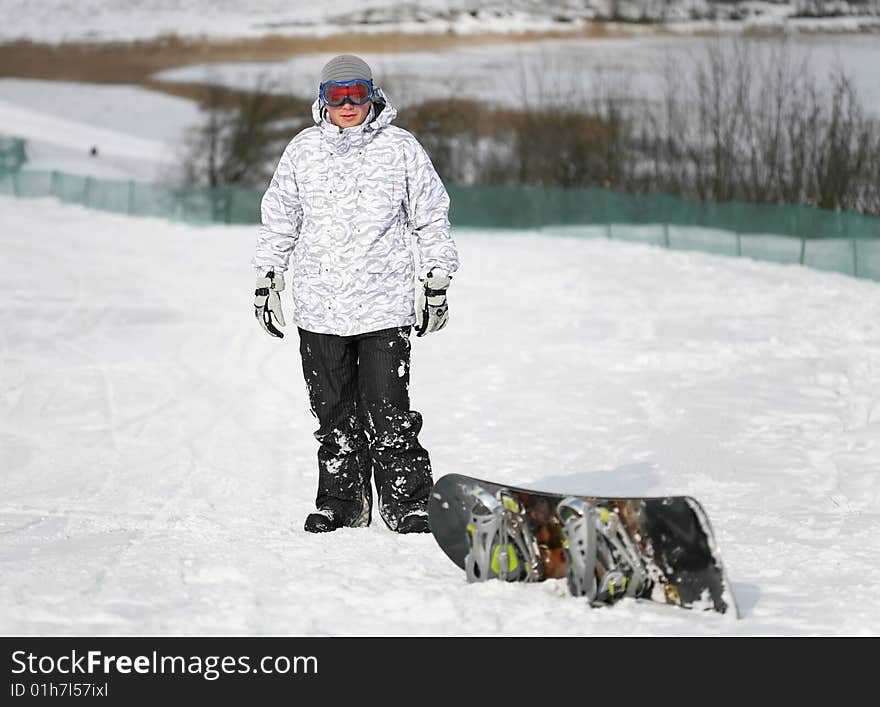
<point x="382" y="112"/>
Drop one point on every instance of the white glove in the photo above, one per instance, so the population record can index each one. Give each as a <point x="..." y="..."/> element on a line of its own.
<point x="267" y="302"/>
<point x="432" y="311"/>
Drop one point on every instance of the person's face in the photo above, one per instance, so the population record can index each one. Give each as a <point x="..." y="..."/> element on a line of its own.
<point x="348" y="114"/>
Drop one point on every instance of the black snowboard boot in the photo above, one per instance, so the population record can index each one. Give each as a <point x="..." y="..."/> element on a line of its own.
<point x="416" y="522"/>
<point x="323" y="520"/>
<point x="326" y="520"/>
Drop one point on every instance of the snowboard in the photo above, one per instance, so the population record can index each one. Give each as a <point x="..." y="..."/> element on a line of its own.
<point x="660" y="549"/>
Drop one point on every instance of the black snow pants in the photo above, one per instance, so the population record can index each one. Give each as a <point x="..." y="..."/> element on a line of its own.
<point x="359" y="391"/>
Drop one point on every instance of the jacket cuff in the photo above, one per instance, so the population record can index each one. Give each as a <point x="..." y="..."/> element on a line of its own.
<point x="438" y="271"/>
<point x="263" y="269"/>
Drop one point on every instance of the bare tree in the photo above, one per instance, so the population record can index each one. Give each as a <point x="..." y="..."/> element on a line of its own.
<point x="241" y="137"/>
<point x="755" y="123"/>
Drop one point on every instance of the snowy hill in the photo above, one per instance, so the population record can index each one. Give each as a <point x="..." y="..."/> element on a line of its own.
<point x="62" y="121"/>
<point x="102" y="20"/>
<point x="157" y="457"/>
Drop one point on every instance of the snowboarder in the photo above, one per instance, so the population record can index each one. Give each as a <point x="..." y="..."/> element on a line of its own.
<point x="346" y="198"/>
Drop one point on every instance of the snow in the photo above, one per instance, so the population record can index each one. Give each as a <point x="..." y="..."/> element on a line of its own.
<point x="157" y="456"/>
<point x="103" y="20"/>
<point x="107" y="20"/>
<point x="115" y="20"/>
<point x="135" y="111"/>
<point x="138" y="133"/>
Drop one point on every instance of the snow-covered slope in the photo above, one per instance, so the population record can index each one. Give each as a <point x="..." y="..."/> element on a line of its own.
<point x="138" y="134"/>
<point x="106" y="20"/>
<point x="157" y="458"/>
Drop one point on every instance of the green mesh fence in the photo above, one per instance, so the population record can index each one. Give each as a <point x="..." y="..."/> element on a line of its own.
<point x="190" y="204"/>
<point x="827" y="240"/>
<point x="12" y="154"/>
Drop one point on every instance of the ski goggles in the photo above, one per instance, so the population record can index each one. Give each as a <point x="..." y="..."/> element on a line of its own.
<point x="357" y="91"/>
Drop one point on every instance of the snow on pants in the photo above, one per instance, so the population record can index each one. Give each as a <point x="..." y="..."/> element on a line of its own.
<point x="359" y="391"/>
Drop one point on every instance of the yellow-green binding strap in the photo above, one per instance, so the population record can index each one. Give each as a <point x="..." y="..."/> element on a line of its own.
<point x="511" y="559"/>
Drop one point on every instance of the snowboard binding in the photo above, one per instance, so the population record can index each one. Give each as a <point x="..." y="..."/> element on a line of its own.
<point x="601" y="562"/>
<point x="501" y="543"/>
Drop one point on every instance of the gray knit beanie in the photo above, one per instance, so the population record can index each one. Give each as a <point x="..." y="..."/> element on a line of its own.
<point x="345" y="67"/>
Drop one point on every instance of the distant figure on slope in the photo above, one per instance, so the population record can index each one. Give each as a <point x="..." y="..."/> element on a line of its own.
<point x="346" y="198"/>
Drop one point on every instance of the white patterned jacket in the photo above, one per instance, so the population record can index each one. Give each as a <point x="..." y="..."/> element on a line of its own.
<point x="343" y="210"/>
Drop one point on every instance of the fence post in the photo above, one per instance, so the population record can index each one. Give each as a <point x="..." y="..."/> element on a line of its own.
<point x="803" y="249"/>
<point x="606" y="213"/>
<point x="86" y="189"/>
<point x="666" y="233"/>
<point x="53" y="183"/>
<point x="855" y="254"/>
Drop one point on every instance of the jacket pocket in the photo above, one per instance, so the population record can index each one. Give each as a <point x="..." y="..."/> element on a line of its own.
<point x="394" y="276"/>
<point x="380" y="194"/>
<point x="306" y="268"/>
<point x="313" y="192"/>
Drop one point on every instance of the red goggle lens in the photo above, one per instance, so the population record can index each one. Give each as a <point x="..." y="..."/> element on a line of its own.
<point x="335" y="94"/>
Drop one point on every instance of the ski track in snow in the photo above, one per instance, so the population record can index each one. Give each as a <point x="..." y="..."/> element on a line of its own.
<point x="157" y="455"/>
